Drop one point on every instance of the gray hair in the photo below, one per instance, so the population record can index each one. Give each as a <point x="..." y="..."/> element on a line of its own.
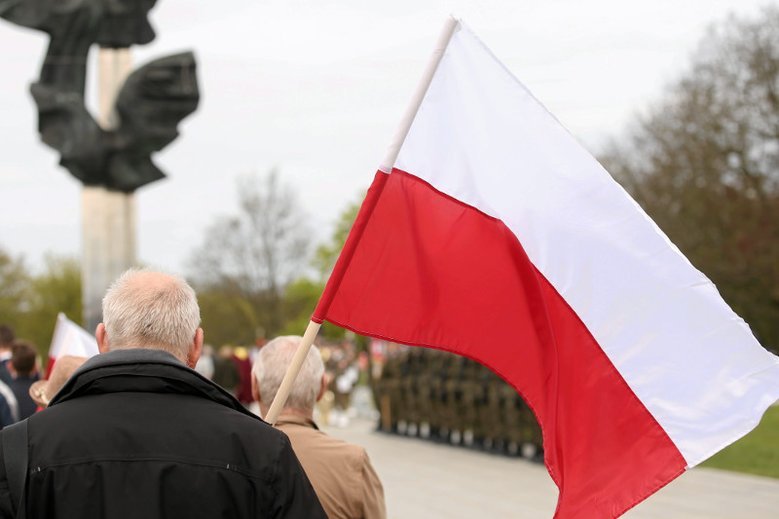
<point x="147" y="309"/>
<point x="271" y="364"/>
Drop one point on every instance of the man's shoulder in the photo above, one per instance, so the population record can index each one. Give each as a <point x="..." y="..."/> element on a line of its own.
<point x="198" y="434"/>
<point x="309" y="438"/>
<point x="195" y="420"/>
<point x="257" y="428"/>
<point x="348" y="449"/>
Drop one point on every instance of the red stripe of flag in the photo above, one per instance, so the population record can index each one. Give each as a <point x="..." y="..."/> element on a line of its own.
<point x="432" y="271"/>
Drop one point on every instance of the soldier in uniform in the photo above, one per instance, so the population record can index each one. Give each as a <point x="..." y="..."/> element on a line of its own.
<point x="390" y="393"/>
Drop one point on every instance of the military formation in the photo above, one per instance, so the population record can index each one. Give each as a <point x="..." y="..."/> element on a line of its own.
<point x="447" y="398"/>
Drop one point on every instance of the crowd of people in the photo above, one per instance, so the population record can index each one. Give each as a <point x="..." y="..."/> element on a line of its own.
<point x="142" y="430"/>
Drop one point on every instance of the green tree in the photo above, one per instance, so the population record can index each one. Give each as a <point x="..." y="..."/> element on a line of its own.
<point x="704" y="163"/>
<point x="300" y="299"/>
<point x="302" y="295"/>
<point x="30" y="303"/>
<point x="327" y="253"/>
<point x="228" y="318"/>
<point x="14" y="288"/>
<point x="56" y="289"/>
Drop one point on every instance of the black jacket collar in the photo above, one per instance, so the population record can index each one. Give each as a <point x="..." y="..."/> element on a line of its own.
<point x="143" y="370"/>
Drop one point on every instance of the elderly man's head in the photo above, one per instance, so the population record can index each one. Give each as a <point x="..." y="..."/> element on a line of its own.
<point x="146" y="309"/>
<point x="270" y="366"/>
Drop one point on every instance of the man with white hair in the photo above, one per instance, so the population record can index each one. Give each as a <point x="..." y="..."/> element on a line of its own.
<point x="342" y="474"/>
<point x="135" y="432"/>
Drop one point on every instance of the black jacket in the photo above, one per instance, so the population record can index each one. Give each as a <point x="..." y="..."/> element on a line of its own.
<point x="135" y="433"/>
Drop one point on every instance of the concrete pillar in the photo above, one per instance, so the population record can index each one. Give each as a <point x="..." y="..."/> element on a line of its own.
<point x="108" y="217"/>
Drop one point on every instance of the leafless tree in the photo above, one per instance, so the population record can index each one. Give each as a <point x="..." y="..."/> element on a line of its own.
<point x="254" y="254"/>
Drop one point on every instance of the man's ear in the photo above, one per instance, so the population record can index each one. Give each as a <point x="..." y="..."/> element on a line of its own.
<point x="102" y="338"/>
<point x="195" y="349"/>
<point x="322" y="388"/>
<point x="255" y="388"/>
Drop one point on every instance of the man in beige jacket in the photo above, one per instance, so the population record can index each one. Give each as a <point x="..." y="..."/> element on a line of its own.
<point x="341" y="473"/>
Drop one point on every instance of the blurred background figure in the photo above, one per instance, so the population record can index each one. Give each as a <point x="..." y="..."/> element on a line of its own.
<point x="43" y="391"/>
<point x="9" y="409"/>
<point x="225" y="370"/>
<point x="243" y="365"/>
<point x="6" y="342"/>
<point x="24" y="372"/>
<point x="344" y="374"/>
<point x="205" y="364"/>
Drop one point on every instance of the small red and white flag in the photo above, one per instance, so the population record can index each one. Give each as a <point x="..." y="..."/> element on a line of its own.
<point x="495" y="235"/>
<point x="69" y="339"/>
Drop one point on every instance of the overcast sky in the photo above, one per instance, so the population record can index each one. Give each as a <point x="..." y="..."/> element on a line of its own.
<point x="316" y="89"/>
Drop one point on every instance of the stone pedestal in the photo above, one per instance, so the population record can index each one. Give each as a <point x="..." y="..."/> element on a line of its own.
<point x="108" y="217"/>
<point x="108" y="245"/>
<point x="114" y="65"/>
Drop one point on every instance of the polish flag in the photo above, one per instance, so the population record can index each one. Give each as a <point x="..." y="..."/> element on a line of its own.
<point x="69" y="339"/>
<point x="493" y="234"/>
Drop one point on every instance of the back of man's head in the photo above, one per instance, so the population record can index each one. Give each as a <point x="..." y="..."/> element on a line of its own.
<point x="146" y="309"/>
<point x="23" y="356"/>
<point x="6" y="337"/>
<point x="271" y="364"/>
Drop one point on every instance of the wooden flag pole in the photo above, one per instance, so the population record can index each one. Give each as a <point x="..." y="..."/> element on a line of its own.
<point x="389" y="161"/>
<point x="450" y="26"/>
<point x="292" y="372"/>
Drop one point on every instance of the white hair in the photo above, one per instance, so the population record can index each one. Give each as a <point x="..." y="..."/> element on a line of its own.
<point x="271" y="364"/>
<point x="147" y="309"/>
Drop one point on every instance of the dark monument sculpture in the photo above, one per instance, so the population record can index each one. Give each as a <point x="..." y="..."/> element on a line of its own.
<point x="150" y="104"/>
<point x="138" y="118"/>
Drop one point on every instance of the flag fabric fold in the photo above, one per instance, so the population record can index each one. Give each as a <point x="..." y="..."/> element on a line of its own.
<point x="498" y="237"/>
<point x="69" y="339"/>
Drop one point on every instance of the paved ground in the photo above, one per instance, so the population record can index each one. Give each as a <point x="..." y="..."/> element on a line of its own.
<point x="425" y="480"/>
